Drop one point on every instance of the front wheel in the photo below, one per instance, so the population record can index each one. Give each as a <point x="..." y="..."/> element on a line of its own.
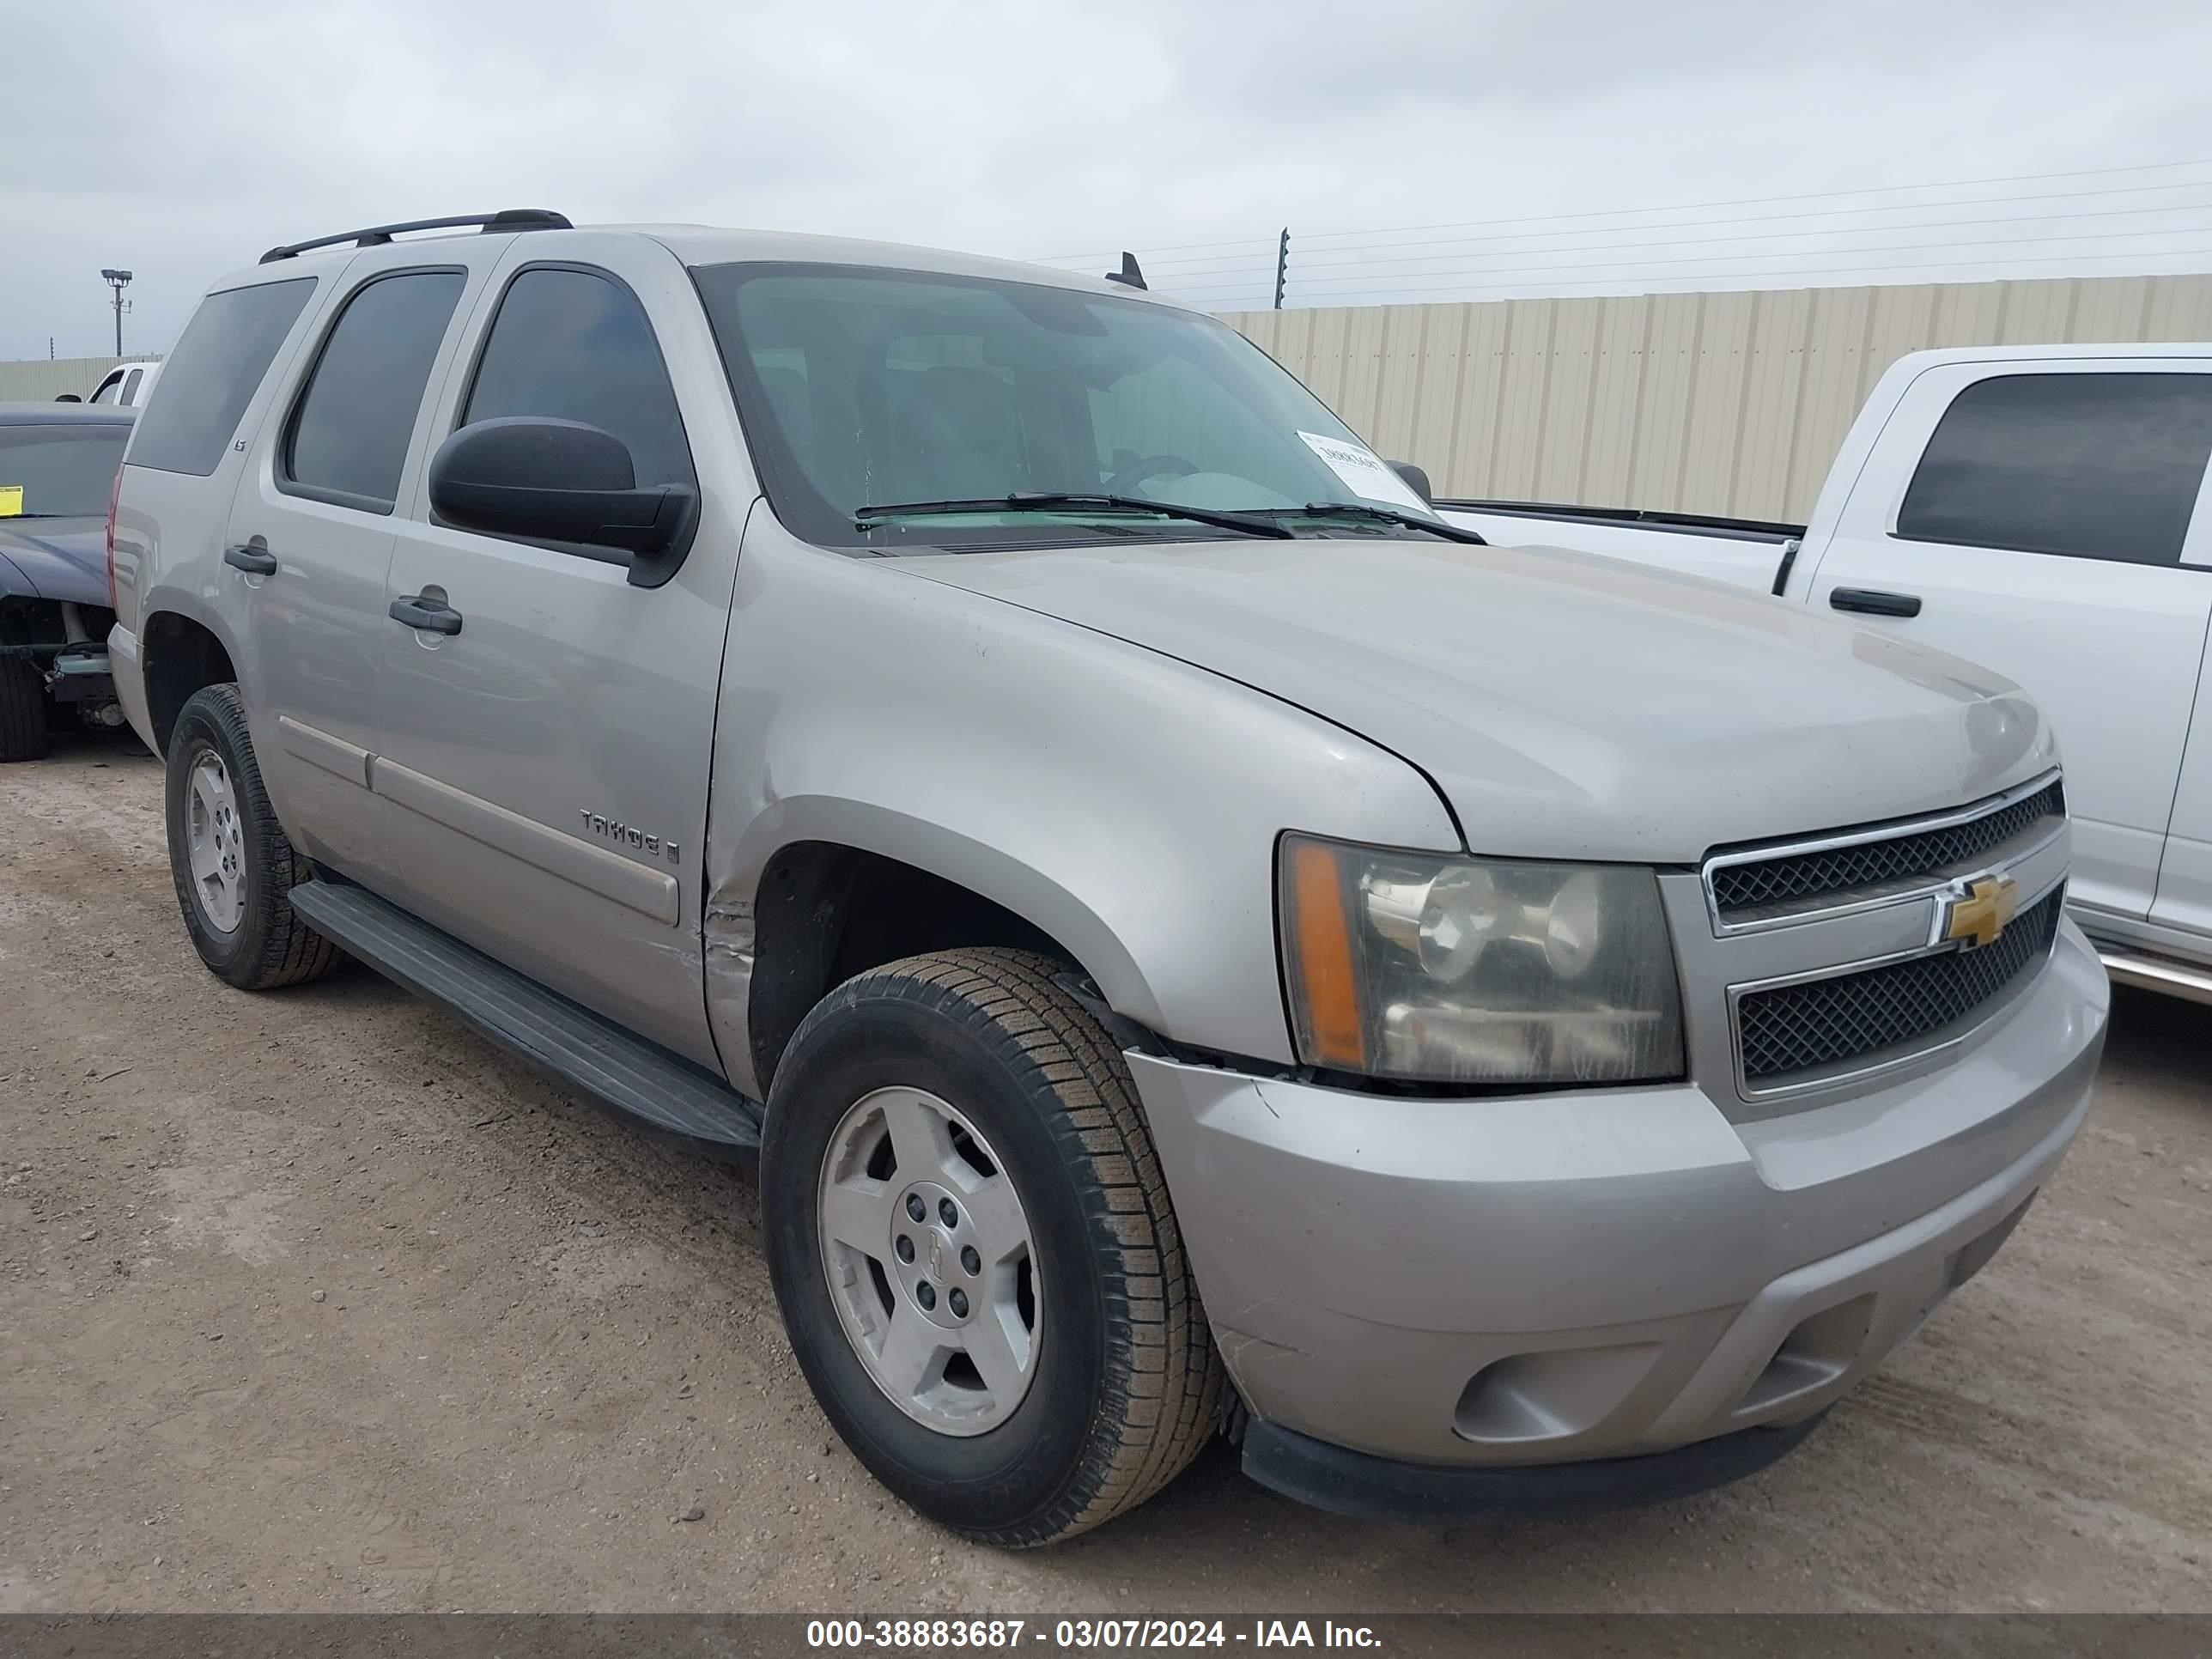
<point x="975" y="1253"/>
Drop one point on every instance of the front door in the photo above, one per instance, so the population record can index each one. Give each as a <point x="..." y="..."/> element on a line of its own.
<point x="549" y="760"/>
<point x="2043" y="533"/>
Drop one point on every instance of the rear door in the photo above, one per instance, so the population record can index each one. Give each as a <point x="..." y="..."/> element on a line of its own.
<point x="311" y="538"/>
<point x="549" y="762"/>
<point x="2040" y="532"/>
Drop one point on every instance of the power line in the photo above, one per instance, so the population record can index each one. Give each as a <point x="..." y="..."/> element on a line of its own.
<point x="1803" y="271"/>
<point x="1762" y="201"/>
<point x="1364" y="255"/>
<point x="1367" y="255"/>
<point x="1791" y="253"/>
<point x="1687" y="207"/>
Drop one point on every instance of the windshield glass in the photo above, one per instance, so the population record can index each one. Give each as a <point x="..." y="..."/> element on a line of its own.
<point x="865" y="388"/>
<point x="59" y="472"/>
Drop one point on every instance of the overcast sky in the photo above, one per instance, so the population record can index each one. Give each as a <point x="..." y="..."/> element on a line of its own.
<point x="180" y="140"/>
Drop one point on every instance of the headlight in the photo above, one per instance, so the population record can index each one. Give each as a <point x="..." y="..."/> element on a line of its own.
<point x="1453" y="970"/>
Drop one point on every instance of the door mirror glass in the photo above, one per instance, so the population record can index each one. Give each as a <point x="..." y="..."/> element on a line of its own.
<point x="554" y="480"/>
<point x="1417" y="478"/>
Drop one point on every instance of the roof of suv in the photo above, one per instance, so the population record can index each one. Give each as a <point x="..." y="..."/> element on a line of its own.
<point x="707" y="245"/>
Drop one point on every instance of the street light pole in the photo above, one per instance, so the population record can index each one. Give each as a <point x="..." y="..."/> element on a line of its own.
<point x="118" y="280"/>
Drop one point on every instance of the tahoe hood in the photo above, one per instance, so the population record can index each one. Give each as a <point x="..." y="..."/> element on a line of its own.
<point x="1565" y="705"/>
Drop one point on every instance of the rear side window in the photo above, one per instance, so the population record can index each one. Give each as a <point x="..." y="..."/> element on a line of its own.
<point x="226" y="349"/>
<point x="59" y="472"/>
<point x="348" y="438"/>
<point x="2090" y="466"/>
<point x="130" y="386"/>
<point x="574" y="345"/>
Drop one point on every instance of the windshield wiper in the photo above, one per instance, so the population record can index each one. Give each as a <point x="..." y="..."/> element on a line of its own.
<point x="1437" y="527"/>
<point x="1058" y="501"/>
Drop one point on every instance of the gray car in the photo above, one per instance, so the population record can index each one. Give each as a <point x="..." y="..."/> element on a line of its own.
<point x="1195" y="943"/>
<point x="58" y="463"/>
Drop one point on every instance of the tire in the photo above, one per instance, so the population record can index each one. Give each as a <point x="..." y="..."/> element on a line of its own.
<point x="1124" y="1387"/>
<point x="258" y="941"/>
<point x="23" y="700"/>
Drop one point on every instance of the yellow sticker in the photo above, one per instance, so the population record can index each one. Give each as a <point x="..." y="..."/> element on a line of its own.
<point x="11" y="501"/>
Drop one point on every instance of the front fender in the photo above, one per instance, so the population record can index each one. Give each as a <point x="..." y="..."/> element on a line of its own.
<point x="1125" y="803"/>
<point x="957" y="856"/>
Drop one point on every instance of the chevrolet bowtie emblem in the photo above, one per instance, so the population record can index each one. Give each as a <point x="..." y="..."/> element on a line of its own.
<point x="1979" y="912"/>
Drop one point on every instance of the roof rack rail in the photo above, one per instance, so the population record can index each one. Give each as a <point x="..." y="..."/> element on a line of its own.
<point x="377" y="235"/>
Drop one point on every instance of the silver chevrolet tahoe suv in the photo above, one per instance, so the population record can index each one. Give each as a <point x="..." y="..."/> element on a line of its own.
<point x="1195" y="943"/>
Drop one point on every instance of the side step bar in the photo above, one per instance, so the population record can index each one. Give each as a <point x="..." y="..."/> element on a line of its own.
<point x="2175" y="979"/>
<point x="608" y="1066"/>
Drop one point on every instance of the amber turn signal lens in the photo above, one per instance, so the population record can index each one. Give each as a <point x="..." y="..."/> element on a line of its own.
<point x="1324" y="990"/>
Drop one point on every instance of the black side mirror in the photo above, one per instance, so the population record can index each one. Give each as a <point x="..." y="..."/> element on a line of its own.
<point x="554" y="480"/>
<point x="1417" y="478"/>
<point x="68" y="397"/>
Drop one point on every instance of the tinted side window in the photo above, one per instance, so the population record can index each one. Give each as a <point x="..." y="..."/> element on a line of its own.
<point x="129" y="394"/>
<point x="59" y="472"/>
<point x="110" y="389"/>
<point x="574" y="346"/>
<point x="2093" y="466"/>
<point x="349" y="437"/>
<point x="226" y="349"/>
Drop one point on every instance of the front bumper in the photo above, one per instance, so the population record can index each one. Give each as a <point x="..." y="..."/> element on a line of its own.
<point x="1503" y="1284"/>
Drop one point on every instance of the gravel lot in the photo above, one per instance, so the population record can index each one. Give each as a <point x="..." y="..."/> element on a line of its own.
<point x="315" y="1301"/>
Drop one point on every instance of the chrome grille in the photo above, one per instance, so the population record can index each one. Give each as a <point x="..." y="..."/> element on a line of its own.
<point x="1821" y="1024"/>
<point x="1791" y="879"/>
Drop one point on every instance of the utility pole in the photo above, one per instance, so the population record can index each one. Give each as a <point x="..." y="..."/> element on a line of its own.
<point x="1282" y="266"/>
<point x="118" y="280"/>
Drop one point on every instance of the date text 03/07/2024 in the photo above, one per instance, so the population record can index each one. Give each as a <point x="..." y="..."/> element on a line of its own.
<point x="1079" y="1635"/>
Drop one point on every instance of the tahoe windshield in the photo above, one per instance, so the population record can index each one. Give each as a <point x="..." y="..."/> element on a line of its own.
<point x="892" y="409"/>
<point x="59" y="472"/>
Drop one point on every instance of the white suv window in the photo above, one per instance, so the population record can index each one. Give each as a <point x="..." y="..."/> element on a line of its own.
<point x="2089" y="466"/>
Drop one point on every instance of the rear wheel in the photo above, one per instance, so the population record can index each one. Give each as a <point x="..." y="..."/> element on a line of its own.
<point x="234" y="867"/>
<point x="23" y="699"/>
<point x="975" y="1253"/>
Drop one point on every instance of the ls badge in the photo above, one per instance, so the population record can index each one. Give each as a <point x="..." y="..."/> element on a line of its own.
<point x="1977" y="912"/>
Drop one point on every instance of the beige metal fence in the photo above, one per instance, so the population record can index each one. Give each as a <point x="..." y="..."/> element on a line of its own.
<point x="41" y="381"/>
<point x="1727" y="403"/>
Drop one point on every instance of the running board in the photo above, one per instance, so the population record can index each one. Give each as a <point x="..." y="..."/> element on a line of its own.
<point x="593" y="1055"/>
<point x="2149" y="973"/>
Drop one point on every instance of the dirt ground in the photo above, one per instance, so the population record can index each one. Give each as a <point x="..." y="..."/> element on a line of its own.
<point x="315" y="1301"/>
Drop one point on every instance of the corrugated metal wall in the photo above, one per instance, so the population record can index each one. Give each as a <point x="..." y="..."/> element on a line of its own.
<point x="41" y="381"/>
<point x="1730" y="403"/>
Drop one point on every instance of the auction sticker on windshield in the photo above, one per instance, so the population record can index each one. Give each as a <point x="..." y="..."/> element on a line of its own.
<point x="11" y="501"/>
<point x="1365" y="473"/>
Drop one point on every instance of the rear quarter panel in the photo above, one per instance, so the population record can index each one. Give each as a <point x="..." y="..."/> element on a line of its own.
<point x="170" y="529"/>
